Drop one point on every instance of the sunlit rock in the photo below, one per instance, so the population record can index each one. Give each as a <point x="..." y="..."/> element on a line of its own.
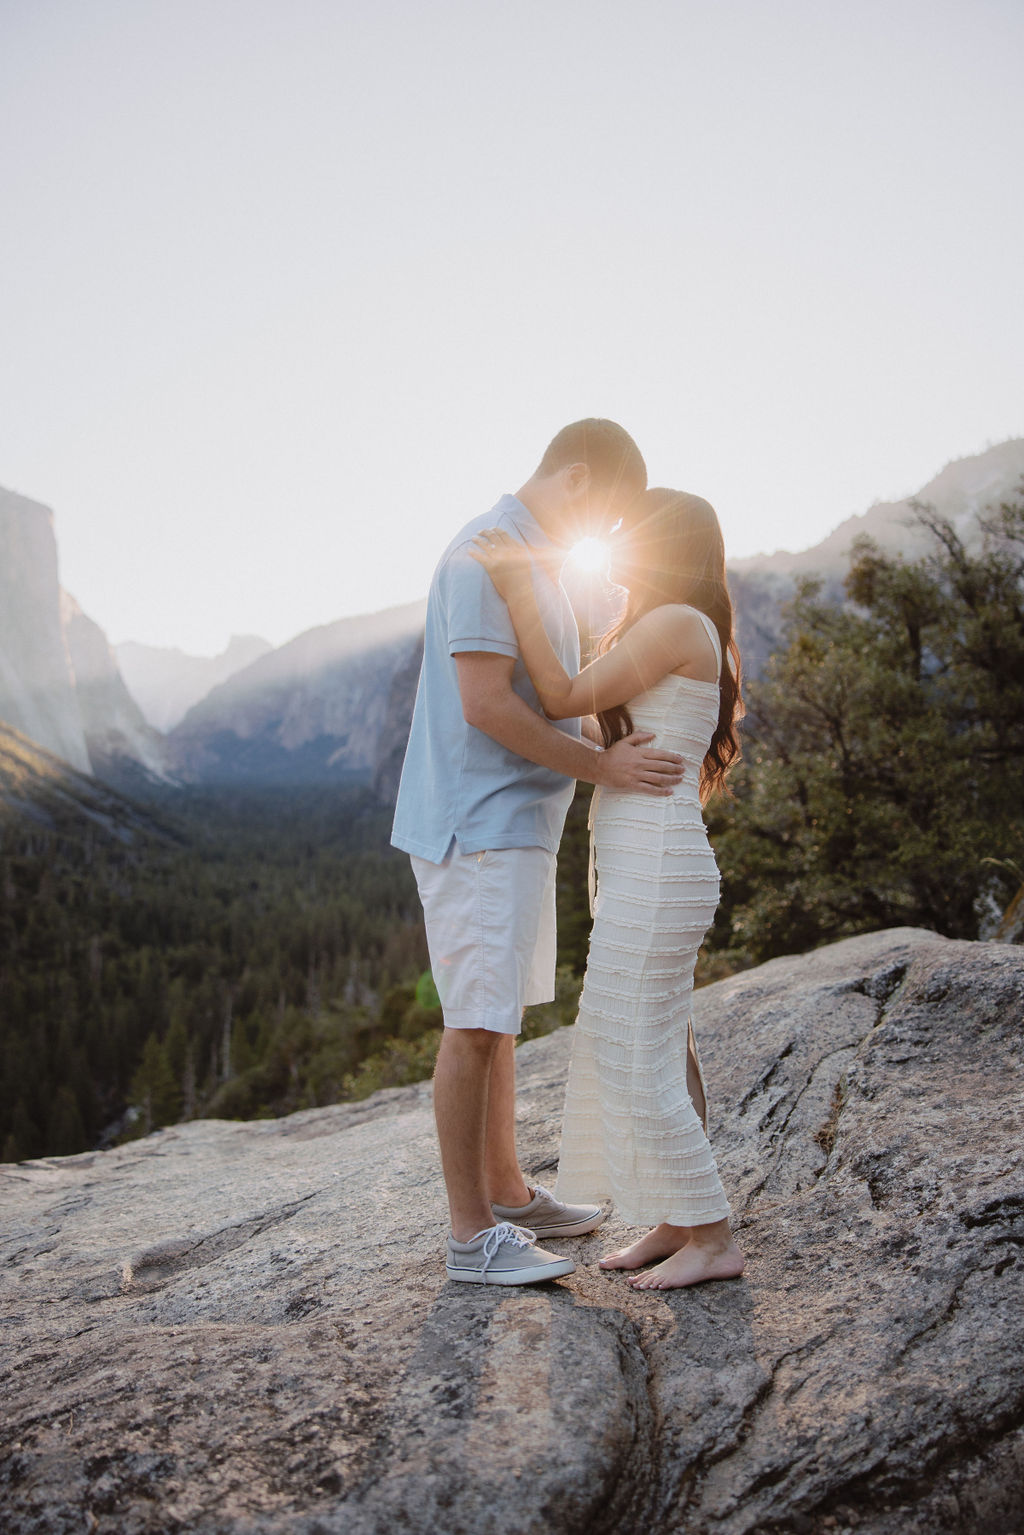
<point x="235" y="1327"/>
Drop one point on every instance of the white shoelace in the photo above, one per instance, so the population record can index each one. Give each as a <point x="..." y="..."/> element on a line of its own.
<point x="515" y="1236"/>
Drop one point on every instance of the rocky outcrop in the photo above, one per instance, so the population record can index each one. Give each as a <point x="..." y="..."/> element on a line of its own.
<point x="311" y="711"/>
<point x="245" y="1327"/>
<point x="166" y="682"/>
<point x="37" y="686"/>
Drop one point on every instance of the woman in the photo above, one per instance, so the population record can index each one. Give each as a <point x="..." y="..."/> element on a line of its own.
<point x="635" y="1127"/>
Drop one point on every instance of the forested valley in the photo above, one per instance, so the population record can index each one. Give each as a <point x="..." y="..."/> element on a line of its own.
<point x="253" y="952"/>
<point x="240" y="960"/>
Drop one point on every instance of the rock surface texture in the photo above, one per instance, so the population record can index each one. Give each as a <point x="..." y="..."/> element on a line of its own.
<point x="246" y="1327"/>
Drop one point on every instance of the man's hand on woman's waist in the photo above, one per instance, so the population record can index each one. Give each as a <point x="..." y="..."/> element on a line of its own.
<point x="634" y="767"/>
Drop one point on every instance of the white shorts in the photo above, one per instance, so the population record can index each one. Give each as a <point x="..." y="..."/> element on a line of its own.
<point x="491" y="933"/>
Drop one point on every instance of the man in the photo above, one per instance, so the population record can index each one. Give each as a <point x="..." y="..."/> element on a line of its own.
<point x="485" y="787"/>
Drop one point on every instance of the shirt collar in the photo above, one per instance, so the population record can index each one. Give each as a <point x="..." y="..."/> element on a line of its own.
<point x="526" y="522"/>
<point x="548" y="554"/>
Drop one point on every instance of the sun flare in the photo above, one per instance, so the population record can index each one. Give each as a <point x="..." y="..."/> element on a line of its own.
<point x="590" y="554"/>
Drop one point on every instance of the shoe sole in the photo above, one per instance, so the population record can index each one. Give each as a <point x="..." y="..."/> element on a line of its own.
<point x="512" y="1276"/>
<point x="574" y="1229"/>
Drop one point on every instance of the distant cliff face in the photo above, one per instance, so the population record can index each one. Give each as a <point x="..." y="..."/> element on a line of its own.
<point x="121" y="744"/>
<point x="165" y="683"/>
<point x="37" y="687"/>
<point x="314" y="710"/>
<point x="59" y="681"/>
<point x="317" y="709"/>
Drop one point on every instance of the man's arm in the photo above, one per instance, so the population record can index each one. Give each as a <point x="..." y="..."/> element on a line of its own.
<point x="490" y="704"/>
<point x="666" y="638"/>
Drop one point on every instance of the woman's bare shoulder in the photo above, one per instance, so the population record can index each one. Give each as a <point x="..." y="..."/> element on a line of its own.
<point x="671" y="618"/>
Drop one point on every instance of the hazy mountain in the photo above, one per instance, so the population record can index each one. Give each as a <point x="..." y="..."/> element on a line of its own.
<point x="59" y="681"/>
<point x="313" y="710"/>
<point x="37" y="685"/>
<point x="165" y="682"/>
<point x="123" y="748"/>
<point x="335" y="702"/>
<point x="964" y="488"/>
<point x="762" y="583"/>
<point x="394" y="732"/>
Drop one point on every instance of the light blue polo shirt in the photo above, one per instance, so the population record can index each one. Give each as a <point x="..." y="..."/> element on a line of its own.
<point x="458" y="783"/>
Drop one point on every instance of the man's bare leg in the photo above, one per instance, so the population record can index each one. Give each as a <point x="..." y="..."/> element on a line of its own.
<point x="505" y="1182"/>
<point x="462" y="1081"/>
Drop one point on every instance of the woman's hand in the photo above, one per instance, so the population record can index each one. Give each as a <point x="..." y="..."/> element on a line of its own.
<point x="505" y="561"/>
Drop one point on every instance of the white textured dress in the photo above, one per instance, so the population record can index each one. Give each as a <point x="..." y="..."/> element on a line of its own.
<point x="631" y="1133"/>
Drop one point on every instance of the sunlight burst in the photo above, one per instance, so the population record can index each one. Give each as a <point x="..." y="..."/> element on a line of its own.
<point x="590" y="554"/>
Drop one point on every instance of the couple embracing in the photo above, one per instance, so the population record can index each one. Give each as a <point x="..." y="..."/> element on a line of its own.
<point x="505" y="722"/>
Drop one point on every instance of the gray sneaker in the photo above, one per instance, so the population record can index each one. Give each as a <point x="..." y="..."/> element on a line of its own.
<point x="503" y="1254"/>
<point x="549" y="1217"/>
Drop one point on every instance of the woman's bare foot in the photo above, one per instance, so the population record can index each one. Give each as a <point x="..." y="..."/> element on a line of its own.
<point x="662" y="1242"/>
<point x="693" y="1264"/>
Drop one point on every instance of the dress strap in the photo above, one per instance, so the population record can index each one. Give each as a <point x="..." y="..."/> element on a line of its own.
<point x="712" y="634"/>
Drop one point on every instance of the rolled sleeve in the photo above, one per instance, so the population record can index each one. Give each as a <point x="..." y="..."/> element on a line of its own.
<point x="478" y="619"/>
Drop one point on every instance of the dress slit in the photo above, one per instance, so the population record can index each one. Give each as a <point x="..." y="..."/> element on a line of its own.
<point x="693" y="1054"/>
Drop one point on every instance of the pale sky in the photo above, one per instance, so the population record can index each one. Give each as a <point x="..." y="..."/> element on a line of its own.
<point x="290" y="289"/>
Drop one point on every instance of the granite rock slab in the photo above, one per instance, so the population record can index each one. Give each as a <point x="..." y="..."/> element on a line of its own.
<point x="231" y="1327"/>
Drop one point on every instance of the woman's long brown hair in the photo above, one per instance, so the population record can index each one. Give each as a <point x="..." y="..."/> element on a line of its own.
<point x="671" y="550"/>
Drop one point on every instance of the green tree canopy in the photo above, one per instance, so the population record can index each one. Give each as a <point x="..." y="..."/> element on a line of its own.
<point x="884" y="758"/>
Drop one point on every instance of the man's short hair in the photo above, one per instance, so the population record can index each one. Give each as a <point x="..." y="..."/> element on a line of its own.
<point x="611" y="455"/>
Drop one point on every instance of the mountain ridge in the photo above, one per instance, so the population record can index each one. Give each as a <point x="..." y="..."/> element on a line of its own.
<point x="313" y="709"/>
<point x="166" y="681"/>
<point x="961" y="489"/>
<point x="335" y="701"/>
<point x="276" y="717"/>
